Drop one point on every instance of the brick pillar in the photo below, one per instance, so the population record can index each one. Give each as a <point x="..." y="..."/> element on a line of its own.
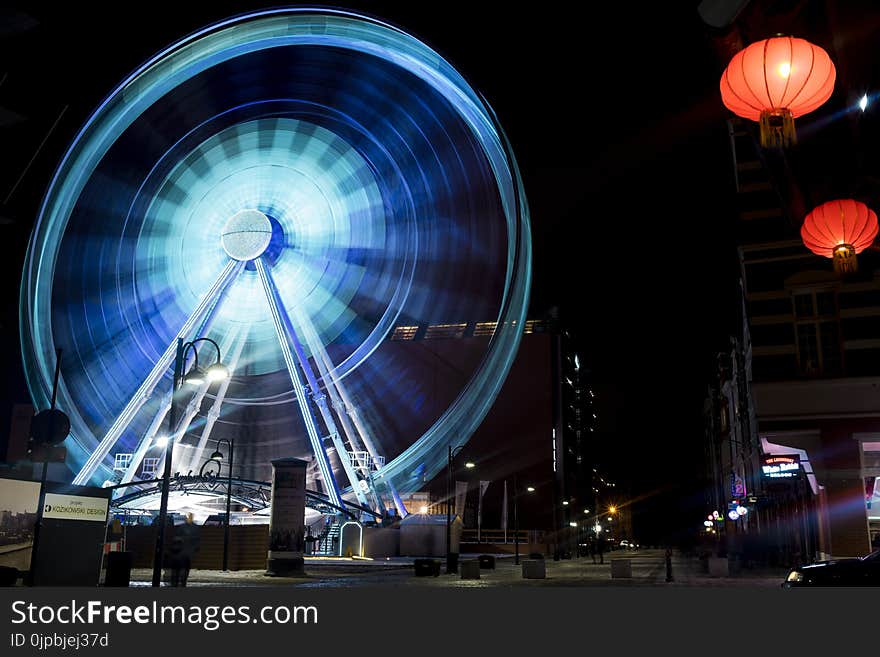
<point x="844" y="492"/>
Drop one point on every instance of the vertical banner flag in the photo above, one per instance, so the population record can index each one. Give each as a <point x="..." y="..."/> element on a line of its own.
<point x="460" y="497"/>
<point x="483" y="486"/>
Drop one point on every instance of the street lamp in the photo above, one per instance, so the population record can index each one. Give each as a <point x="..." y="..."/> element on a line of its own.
<point x="450" y="566"/>
<point x="216" y="372"/>
<point x="218" y="455"/>
<point x="516" y="494"/>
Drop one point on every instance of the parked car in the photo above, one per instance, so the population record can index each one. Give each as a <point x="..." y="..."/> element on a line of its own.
<point x="861" y="571"/>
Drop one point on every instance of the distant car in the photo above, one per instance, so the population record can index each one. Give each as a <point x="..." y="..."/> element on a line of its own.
<point x="861" y="571"/>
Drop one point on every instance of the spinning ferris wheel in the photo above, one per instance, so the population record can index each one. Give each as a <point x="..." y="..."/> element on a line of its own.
<point x="295" y="184"/>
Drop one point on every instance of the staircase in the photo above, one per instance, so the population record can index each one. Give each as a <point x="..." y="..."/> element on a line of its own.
<point x="327" y="544"/>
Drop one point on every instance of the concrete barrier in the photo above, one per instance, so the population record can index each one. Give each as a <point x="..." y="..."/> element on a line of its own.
<point x="534" y="569"/>
<point x="487" y="561"/>
<point x="427" y="567"/>
<point x="621" y="569"/>
<point x="470" y="569"/>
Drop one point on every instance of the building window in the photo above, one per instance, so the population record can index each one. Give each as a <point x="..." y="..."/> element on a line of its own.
<point x="151" y="466"/>
<point x="122" y="461"/>
<point x="817" y="326"/>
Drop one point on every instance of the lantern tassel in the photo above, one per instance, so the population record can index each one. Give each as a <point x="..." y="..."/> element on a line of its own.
<point x="777" y="128"/>
<point x="845" y="261"/>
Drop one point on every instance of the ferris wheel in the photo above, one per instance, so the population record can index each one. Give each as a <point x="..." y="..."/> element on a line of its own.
<point x="300" y="185"/>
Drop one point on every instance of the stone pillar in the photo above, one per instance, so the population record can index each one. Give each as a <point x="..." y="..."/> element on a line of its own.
<point x="844" y="492"/>
<point x="288" y="519"/>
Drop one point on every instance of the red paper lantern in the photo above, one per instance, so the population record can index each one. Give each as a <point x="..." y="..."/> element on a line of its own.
<point x="840" y="230"/>
<point x="776" y="80"/>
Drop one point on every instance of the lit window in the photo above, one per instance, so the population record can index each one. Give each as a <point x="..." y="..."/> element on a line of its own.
<point x="404" y="332"/>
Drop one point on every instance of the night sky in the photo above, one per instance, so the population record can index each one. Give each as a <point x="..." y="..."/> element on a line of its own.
<point x="618" y="127"/>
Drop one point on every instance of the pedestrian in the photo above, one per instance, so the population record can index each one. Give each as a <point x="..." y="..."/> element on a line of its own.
<point x="592" y="548"/>
<point x="183" y="547"/>
<point x="600" y="548"/>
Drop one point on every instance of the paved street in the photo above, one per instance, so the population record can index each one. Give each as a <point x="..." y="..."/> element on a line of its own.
<point x="648" y="569"/>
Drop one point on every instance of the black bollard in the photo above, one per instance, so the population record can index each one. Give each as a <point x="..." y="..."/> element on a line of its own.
<point x="668" y="565"/>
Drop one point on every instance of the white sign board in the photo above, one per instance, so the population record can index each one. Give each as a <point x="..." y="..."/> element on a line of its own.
<point x="75" y="507"/>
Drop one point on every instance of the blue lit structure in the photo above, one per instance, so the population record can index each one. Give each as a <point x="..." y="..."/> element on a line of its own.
<point x="389" y="193"/>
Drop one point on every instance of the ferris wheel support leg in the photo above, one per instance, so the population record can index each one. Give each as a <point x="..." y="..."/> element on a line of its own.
<point x="398" y="503"/>
<point x="201" y="314"/>
<point x="146" y="441"/>
<point x="334" y="389"/>
<point x="318" y="397"/>
<point x="345" y="410"/>
<point x="299" y="389"/>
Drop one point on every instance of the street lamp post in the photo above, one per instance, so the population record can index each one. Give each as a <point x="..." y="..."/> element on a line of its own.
<point x="196" y="376"/>
<point x="516" y="494"/>
<point x="219" y="456"/>
<point x="515" y="520"/>
<point x="450" y="566"/>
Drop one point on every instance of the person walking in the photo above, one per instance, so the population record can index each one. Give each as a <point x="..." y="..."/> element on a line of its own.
<point x="600" y="548"/>
<point x="183" y="548"/>
<point x="591" y="545"/>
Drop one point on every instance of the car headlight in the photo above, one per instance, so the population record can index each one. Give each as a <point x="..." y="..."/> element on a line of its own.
<point x="795" y="576"/>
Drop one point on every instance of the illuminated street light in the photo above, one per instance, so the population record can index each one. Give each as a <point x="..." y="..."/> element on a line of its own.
<point x="161" y="441"/>
<point x="564" y="502"/>
<point x="572" y="524"/>
<point x="531" y="489"/>
<point x="470" y="464"/>
<point x="863" y="102"/>
<point x="423" y="509"/>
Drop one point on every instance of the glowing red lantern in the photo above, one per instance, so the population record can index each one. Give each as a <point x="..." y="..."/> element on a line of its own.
<point x="840" y="230"/>
<point x="776" y="80"/>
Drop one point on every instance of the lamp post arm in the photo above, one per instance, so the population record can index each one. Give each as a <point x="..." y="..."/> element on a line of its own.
<point x="213" y="342"/>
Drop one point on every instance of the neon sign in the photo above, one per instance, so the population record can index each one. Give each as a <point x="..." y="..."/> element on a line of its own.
<point x="781" y="467"/>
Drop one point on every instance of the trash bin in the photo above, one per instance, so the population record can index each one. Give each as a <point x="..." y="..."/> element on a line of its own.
<point x="534" y="569"/>
<point x="470" y="569"/>
<point x="427" y="567"/>
<point x="487" y="561"/>
<point x="119" y="568"/>
<point x="8" y="576"/>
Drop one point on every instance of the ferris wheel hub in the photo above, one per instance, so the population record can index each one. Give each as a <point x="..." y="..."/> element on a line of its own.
<point x="246" y="235"/>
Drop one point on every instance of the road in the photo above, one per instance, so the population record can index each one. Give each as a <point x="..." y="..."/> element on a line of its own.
<point x="648" y="569"/>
